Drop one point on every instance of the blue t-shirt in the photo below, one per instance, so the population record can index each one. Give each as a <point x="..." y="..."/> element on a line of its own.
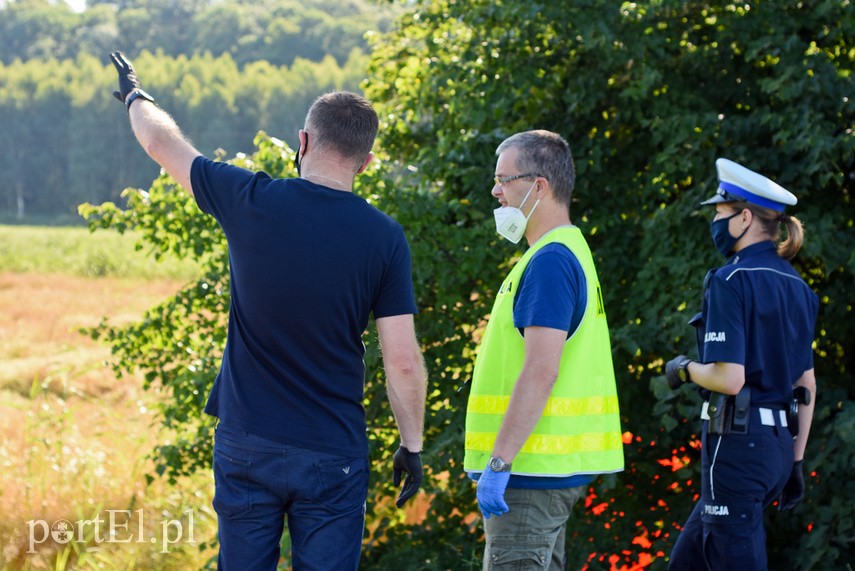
<point x="308" y="266"/>
<point x="552" y="293"/>
<point x="758" y="312"/>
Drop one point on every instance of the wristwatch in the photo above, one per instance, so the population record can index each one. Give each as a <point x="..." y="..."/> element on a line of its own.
<point x="136" y="94"/>
<point x="683" y="371"/>
<point x="499" y="465"/>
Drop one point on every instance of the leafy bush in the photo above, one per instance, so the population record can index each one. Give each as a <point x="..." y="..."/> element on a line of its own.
<point x="648" y="94"/>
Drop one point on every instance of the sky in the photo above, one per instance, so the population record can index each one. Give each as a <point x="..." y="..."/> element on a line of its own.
<point x="76" y="5"/>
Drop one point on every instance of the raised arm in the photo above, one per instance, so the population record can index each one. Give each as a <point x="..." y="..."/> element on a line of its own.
<point x="156" y="131"/>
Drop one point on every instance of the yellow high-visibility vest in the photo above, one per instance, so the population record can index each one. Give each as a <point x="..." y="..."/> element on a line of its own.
<point x="579" y="431"/>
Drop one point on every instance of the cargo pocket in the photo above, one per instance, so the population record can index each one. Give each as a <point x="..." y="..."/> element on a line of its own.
<point x="519" y="553"/>
<point x="733" y="534"/>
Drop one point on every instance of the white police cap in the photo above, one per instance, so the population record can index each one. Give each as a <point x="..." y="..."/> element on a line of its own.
<point x="739" y="183"/>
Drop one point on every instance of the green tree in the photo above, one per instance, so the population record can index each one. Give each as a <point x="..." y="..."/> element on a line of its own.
<point x="66" y="140"/>
<point x="278" y="31"/>
<point x="34" y="106"/>
<point x="229" y="28"/>
<point x="648" y="94"/>
<point x="97" y="32"/>
<point x="35" y="29"/>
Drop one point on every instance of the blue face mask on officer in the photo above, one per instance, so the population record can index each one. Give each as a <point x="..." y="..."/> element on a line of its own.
<point x="722" y="238"/>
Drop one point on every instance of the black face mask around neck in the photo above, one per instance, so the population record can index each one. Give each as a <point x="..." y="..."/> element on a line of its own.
<point x="297" y="154"/>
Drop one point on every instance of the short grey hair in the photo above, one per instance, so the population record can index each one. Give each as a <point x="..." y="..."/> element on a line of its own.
<point x="547" y="154"/>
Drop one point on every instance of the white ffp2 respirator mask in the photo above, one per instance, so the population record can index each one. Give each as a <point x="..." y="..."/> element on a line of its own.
<point x="511" y="222"/>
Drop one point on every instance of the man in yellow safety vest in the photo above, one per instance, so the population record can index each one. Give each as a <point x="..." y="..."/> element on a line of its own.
<point x="542" y="420"/>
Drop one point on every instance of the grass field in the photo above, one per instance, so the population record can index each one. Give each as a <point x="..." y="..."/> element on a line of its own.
<point x="73" y="438"/>
<point x="76" y="251"/>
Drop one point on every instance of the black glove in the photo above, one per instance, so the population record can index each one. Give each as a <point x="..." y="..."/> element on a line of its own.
<point x="411" y="463"/>
<point x="676" y="371"/>
<point x="794" y="489"/>
<point x="127" y="76"/>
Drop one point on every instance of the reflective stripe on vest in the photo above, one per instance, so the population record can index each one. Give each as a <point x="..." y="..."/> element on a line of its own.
<point x="579" y="431"/>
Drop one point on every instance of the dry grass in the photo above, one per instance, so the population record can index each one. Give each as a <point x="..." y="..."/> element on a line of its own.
<point x="73" y="438"/>
<point x="39" y="322"/>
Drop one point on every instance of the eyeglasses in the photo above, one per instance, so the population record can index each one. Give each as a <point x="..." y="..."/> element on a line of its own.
<point x="500" y="180"/>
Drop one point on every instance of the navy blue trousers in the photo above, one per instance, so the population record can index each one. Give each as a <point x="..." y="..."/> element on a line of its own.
<point x="741" y="475"/>
<point x="258" y="482"/>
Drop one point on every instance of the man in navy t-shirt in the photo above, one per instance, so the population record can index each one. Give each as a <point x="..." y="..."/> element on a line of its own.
<point x="309" y="263"/>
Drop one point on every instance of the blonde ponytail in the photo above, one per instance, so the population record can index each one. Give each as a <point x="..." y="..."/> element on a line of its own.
<point x="771" y="221"/>
<point x="795" y="237"/>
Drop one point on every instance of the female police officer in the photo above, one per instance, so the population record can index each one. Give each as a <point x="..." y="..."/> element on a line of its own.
<point x="754" y="337"/>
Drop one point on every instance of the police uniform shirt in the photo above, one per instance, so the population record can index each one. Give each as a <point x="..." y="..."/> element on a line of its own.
<point x="760" y="313"/>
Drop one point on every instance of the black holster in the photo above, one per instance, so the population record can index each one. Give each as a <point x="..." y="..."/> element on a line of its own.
<point x="800" y="396"/>
<point x="729" y="413"/>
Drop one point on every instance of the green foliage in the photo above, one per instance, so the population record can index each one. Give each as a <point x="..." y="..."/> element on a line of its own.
<point x="65" y="139"/>
<point x="178" y="344"/>
<point x="224" y="69"/>
<point x="648" y="94"/>
<point x="279" y="31"/>
<point x="824" y="523"/>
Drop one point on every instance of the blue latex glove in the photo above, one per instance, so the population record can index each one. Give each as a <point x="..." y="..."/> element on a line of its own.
<point x="491" y="492"/>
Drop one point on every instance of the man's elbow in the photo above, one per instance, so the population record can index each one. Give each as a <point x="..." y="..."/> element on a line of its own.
<point x="156" y="148"/>
<point x="405" y="366"/>
<point x="544" y="375"/>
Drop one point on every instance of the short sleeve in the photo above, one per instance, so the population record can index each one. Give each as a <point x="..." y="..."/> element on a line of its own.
<point x="396" y="295"/>
<point x="724" y="335"/>
<point x="218" y="187"/>
<point x="552" y="291"/>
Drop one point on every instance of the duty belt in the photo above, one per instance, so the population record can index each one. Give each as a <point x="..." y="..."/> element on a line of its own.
<point x="767" y="415"/>
<point x="728" y="414"/>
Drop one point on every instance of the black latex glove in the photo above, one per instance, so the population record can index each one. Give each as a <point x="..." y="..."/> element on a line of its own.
<point x="127" y="76"/>
<point x="411" y="463"/>
<point x="676" y="372"/>
<point x="794" y="489"/>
